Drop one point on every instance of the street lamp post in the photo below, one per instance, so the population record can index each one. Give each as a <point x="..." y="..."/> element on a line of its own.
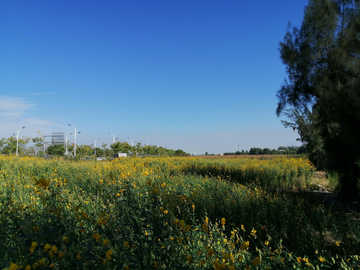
<point x="45" y="144"/>
<point x="132" y="141"/>
<point x="95" y="147"/>
<point x="114" y="140"/>
<point x="74" y="139"/>
<point x="66" y="147"/>
<point x="17" y="141"/>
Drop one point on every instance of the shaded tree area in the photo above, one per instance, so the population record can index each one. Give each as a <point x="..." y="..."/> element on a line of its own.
<point x="282" y="150"/>
<point x="313" y="145"/>
<point x="323" y="86"/>
<point x="56" y="150"/>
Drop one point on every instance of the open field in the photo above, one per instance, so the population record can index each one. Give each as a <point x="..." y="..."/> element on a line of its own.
<point x="170" y="213"/>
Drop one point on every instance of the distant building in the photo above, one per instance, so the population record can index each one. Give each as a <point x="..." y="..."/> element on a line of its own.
<point x="120" y="155"/>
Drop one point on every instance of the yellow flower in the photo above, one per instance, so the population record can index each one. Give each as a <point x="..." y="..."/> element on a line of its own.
<point x="298" y="259"/>
<point x="54" y="249"/>
<point x="218" y="265"/>
<point x="108" y="254"/>
<point x="61" y="254"/>
<point x="155" y="191"/>
<point x="266" y="243"/>
<point x="182" y="224"/>
<point x="223" y="221"/>
<point x="257" y="261"/>
<point x="32" y="248"/>
<point x="47" y="247"/>
<point x="78" y="257"/>
<point x="193" y="207"/>
<point x="176" y="221"/>
<point x="245" y="245"/>
<point x="210" y="252"/>
<point x="105" y="242"/>
<point x="13" y="266"/>
<point x="226" y="256"/>
<point x="97" y="236"/>
<point x="28" y="267"/>
<point x="189" y="258"/>
<point x="321" y="259"/>
<point x="65" y="239"/>
<point x="337" y="243"/>
<point x="126" y="244"/>
<point x="42" y="261"/>
<point x="253" y="232"/>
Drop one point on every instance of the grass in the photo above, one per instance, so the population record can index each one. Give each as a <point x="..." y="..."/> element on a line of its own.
<point x="169" y="213"/>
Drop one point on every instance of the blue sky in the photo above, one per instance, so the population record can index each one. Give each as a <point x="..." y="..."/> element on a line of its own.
<point x="193" y="75"/>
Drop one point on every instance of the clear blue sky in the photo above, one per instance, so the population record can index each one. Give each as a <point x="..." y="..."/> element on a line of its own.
<point x="188" y="74"/>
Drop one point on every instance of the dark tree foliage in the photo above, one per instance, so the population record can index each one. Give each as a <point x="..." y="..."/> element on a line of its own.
<point x="322" y="60"/>
<point x="56" y="150"/>
<point x="305" y="124"/>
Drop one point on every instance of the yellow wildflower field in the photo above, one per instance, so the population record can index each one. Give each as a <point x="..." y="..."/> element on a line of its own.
<point x="168" y="213"/>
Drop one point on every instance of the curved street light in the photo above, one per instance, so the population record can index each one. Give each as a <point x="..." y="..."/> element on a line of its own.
<point x="132" y="142"/>
<point x="114" y="140"/>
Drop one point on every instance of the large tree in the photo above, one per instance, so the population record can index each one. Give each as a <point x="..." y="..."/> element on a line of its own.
<point x="56" y="150"/>
<point x="306" y="125"/>
<point x="9" y="145"/>
<point x="322" y="61"/>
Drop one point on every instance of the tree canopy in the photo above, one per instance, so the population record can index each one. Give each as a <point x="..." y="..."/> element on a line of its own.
<point x="322" y="61"/>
